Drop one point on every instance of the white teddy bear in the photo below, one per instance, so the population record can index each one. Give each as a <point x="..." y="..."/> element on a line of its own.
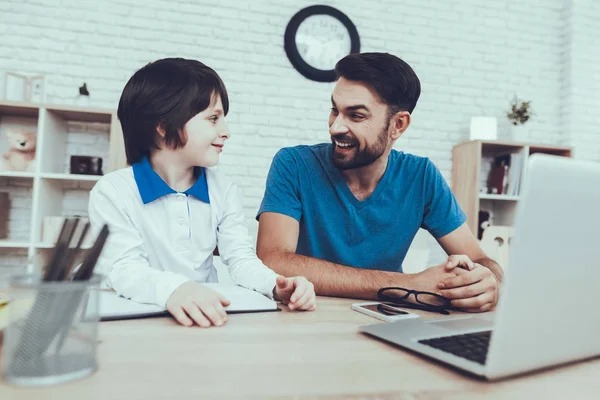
<point x="21" y="152"/>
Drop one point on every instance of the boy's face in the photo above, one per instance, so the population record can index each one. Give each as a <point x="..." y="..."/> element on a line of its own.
<point x="206" y="134"/>
<point x="358" y="125"/>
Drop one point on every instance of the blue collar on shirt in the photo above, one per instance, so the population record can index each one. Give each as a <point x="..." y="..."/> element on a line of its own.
<point x="151" y="186"/>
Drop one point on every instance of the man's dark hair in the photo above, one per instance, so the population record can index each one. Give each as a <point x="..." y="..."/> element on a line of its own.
<point x="166" y="93"/>
<point x="392" y="79"/>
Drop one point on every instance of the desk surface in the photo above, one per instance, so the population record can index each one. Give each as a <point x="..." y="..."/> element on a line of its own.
<point x="277" y="355"/>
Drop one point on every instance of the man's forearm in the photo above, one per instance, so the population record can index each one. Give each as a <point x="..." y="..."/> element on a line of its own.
<point x="332" y="279"/>
<point x="492" y="266"/>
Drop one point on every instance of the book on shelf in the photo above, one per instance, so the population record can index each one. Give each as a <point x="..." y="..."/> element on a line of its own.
<point x="505" y="174"/>
<point x="514" y="181"/>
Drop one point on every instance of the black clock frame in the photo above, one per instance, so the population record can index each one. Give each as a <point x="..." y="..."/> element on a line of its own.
<point x="292" y="52"/>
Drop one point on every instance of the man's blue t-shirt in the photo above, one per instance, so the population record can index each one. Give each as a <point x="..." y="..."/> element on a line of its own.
<point x="374" y="233"/>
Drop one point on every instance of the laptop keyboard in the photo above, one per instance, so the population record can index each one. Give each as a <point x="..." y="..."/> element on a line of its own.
<point x="472" y="346"/>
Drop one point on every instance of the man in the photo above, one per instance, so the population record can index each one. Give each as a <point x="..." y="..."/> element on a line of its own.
<point x="343" y="214"/>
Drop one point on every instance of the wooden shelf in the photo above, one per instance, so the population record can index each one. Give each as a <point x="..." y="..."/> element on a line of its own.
<point x="556" y="151"/>
<point x="71" y="177"/>
<point x="47" y="246"/>
<point x="470" y="169"/>
<point x="16" y="174"/>
<point x="82" y="114"/>
<point x="15" y="108"/>
<point x="484" y="196"/>
<point x="13" y="244"/>
<point x="75" y="113"/>
<point x="510" y="143"/>
<point x="70" y="181"/>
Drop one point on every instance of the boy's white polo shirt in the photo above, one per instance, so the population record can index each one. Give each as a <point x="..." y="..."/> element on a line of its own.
<point x="160" y="238"/>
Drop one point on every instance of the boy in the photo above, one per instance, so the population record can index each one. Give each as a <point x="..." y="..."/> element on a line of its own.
<point x="168" y="212"/>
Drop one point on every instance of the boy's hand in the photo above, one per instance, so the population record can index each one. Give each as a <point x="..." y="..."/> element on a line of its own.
<point x="297" y="292"/>
<point x="193" y="303"/>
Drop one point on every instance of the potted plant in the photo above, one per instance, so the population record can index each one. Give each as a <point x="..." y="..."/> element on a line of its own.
<point x="520" y="113"/>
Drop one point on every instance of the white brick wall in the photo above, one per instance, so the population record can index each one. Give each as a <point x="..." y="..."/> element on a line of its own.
<point x="581" y="85"/>
<point x="87" y="139"/>
<point x="11" y="263"/>
<point x="84" y="139"/>
<point x="472" y="57"/>
<point x="19" y="223"/>
<point x="20" y="197"/>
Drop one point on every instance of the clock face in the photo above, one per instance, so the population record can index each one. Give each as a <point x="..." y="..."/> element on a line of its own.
<point x="322" y="40"/>
<point x="316" y="38"/>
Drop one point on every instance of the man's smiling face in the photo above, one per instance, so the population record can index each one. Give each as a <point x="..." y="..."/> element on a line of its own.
<point x="358" y="125"/>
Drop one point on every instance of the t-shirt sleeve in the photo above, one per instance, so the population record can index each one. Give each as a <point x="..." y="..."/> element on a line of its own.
<point x="282" y="192"/>
<point x="442" y="213"/>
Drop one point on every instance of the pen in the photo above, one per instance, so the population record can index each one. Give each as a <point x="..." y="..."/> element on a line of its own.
<point x="84" y="272"/>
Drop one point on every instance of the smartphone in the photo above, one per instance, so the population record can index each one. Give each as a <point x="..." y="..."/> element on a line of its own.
<point x="387" y="312"/>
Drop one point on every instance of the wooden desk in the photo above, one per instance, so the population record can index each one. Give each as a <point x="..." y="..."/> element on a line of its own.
<point x="281" y="355"/>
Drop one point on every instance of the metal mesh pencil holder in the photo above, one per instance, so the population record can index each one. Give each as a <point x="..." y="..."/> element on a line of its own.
<point x="52" y="333"/>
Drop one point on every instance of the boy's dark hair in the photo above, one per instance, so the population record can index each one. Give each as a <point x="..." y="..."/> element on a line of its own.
<point x="166" y="93"/>
<point x="392" y="79"/>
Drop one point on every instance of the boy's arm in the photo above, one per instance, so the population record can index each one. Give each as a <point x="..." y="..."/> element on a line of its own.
<point x="237" y="251"/>
<point x="124" y="261"/>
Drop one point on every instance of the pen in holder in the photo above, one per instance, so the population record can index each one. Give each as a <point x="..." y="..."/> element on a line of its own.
<point x="52" y="334"/>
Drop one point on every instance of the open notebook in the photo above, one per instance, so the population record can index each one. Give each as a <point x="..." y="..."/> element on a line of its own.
<point x="114" y="307"/>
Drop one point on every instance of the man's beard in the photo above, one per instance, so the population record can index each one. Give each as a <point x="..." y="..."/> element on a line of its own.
<point x="361" y="157"/>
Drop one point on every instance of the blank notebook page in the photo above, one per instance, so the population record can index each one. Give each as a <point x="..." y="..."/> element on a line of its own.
<point x="113" y="306"/>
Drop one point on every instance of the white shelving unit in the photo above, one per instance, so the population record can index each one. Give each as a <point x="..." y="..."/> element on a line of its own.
<point x="51" y="190"/>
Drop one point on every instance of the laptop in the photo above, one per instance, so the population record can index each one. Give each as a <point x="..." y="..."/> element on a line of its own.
<point x="548" y="310"/>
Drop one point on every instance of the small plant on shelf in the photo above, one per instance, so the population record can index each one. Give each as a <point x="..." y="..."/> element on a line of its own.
<point x="519" y="113"/>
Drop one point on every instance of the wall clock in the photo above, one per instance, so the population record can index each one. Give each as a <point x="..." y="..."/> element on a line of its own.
<point x="316" y="38"/>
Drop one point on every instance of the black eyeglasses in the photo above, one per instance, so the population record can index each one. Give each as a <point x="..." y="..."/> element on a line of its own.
<point x="425" y="301"/>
